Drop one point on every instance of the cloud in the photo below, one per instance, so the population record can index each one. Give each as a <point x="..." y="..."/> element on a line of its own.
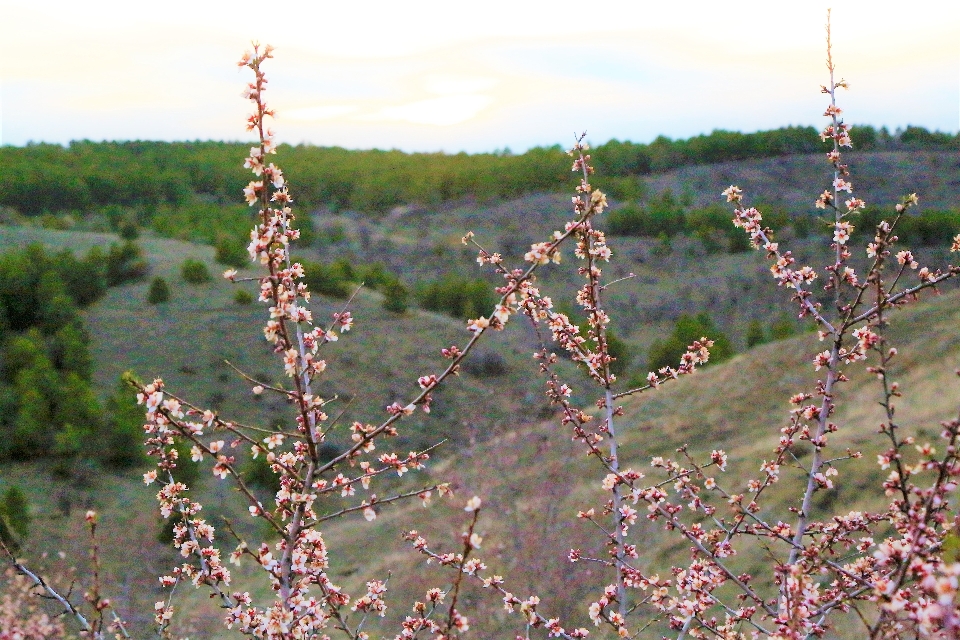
<point x="449" y="83"/>
<point x="442" y="111"/>
<point x="311" y="114"/>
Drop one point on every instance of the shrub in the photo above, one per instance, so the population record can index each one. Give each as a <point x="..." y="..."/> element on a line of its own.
<point x="194" y="271"/>
<point x="242" y="297"/>
<point x="125" y="263"/>
<point x="15" y="513"/>
<point x="128" y="230"/>
<point x="325" y="280"/>
<point x="258" y="473"/>
<point x="755" y="334"/>
<point x="661" y="217"/>
<point x="159" y="291"/>
<point x="620" y="352"/>
<point x="783" y="328"/>
<point x="667" y="353"/>
<point x="330" y="235"/>
<point x="120" y="443"/>
<point x="395" y="296"/>
<point x="85" y="279"/>
<point x="803" y="225"/>
<point x="231" y="252"/>
<point x="485" y="364"/>
<point x="456" y="296"/>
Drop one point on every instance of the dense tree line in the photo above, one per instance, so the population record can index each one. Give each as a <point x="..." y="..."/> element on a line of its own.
<point x="47" y="403"/>
<point x="40" y="178"/>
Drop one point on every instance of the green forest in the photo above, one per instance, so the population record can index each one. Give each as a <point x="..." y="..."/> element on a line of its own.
<point x="48" y="178"/>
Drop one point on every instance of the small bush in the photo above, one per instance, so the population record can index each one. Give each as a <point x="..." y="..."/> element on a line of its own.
<point x="125" y="263"/>
<point x="231" y="251"/>
<point x="159" y="291"/>
<point x="803" y="225"/>
<point x="330" y="235"/>
<point x="661" y="215"/>
<point x="620" y="351"/>
<point x="325" y="279"/>
<point x="15" y="512"/>
<point x="666" y="353"/>
<point x="783" y="328"/>
<point x="128" y="230"/>
<point x="755" y="334"/>
<point x="194" y="271"/>
<point x="242" y="297"/>
<point x="456" y="296"/>
<point x="258" y="473"/>
<point x="485" y="364"/>
<point x="395" y="296"/>
<point x="121" y="443"/>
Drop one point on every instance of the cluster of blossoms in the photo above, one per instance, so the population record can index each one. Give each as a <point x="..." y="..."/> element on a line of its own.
<point x="21" y="618"/>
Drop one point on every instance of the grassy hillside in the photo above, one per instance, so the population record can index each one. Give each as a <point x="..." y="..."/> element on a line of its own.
<point x="502" y="443"/>
<point x="185" y="341"/>
<point x="532" y="478"/>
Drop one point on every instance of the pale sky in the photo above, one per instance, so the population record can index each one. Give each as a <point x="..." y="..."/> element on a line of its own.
<point x="475" y="76"/>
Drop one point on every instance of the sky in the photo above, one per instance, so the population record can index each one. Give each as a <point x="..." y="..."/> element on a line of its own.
<point x="473" y="76"/>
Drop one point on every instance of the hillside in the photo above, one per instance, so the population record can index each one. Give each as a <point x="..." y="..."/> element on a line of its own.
<point x="185" y="341"/>
<point x="681" y="275"/>
<point x="880" y="177"/>
<point x="533" y="480"/>
<point x="502" y="443"/>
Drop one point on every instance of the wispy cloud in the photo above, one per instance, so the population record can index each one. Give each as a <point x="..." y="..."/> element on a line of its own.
<point x="442" y="111"/>
<point x="324" y="112"/>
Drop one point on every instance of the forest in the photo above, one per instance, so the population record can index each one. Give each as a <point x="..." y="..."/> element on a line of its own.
<point x="47" y="178"/>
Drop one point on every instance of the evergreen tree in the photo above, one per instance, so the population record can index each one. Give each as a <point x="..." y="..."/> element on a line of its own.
<point x="16" y="509"/>
<point x="194" y="271"/>
<point x="159" y="291"/>
<point x="14" y="518"/>
<point x="620" y="351"/>
<point x="70" y="351"/>
<point x="78" y="416"/>
<point x="33" y="427"/>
